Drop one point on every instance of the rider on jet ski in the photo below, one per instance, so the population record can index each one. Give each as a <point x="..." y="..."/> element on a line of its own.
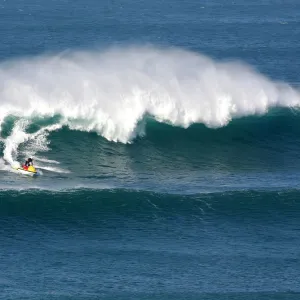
<point x="28" y="162"/>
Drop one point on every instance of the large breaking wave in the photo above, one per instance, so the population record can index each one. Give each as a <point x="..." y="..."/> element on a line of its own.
<point x="111" y="92"/>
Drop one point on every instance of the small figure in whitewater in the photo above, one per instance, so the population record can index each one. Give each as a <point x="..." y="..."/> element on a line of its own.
<point x="28" y="162"/>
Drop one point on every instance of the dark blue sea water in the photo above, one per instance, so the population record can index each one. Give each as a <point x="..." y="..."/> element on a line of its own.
<point x="166" y="138"/>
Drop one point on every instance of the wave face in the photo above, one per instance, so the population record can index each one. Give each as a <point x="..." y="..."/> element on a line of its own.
<point x="256" y="153"/>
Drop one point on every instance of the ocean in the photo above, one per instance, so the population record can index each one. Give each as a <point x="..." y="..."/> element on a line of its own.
<point x="167" y="142"/>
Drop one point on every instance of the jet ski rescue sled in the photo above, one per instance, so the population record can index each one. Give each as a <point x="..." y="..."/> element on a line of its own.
<point x="31" y="170"/>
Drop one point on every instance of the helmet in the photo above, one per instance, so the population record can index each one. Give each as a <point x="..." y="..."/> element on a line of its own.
<point x="29" y="159"/>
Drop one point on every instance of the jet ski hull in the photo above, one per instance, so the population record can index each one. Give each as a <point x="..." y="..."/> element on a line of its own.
<point x="24" y="172"/>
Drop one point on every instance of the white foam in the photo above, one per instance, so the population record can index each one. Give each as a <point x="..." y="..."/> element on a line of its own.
<point x="43" y="159"/>
<point x="35" y="142"/>
<point x="12" y="142"/>
<point x="110" y="92"/>
<point x="52" y="169"/>
<point x="4" y="166"/>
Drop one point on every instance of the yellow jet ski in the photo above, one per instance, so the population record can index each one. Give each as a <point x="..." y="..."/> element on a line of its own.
<point x="31" y="170"/>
